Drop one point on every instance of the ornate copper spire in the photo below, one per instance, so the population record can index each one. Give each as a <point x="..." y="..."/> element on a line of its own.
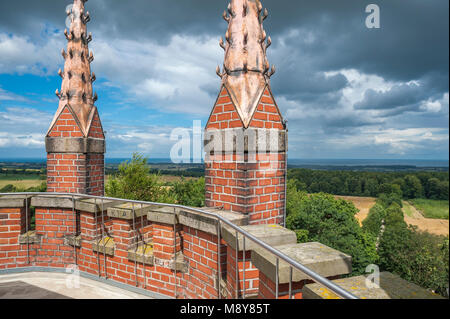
<point x="246" y="70"/>
<point x="76" y="89"/>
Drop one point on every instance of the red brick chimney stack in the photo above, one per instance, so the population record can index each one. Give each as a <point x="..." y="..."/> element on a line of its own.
<point x="246" y="137"/>
<point x="75" y="141"/>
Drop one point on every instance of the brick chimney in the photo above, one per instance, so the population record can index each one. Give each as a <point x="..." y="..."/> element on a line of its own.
<point x="75" y="141"/>
<point x="246" y="136"/>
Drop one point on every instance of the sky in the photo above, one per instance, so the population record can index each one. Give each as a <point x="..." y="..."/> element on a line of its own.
<point x="347" y="91"/>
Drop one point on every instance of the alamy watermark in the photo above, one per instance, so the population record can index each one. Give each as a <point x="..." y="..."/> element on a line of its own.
<point x="233" y="145"/>
<point x="373" y="19"/>
<point x="73" y="280"/>
<point x="373" y="279"/>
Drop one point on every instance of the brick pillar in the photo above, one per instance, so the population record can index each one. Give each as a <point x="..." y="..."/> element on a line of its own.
<point x="246" y="166"/>
<point x="55" y="219"/>
<point x="245" y="136"/>
<point x="12" y="225"/>
<point x="74" y="164"/>
<point x="75" y="141"/>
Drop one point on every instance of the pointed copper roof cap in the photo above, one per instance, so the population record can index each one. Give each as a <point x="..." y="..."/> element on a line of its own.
<point x="76" y="89"/>
<point x="246" y="68"/>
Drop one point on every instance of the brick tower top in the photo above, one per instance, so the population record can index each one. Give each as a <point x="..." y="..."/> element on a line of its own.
<point x="76" y="94"/>
<point x="246" y="70"/>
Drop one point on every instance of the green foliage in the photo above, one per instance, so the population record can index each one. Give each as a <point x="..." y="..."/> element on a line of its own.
<point x="387" y="200"/>
<point x="42" y="188"/>
<point x="321" y="217"/>
<point x="8" y="189"/>
<point x="419" y="257"/>
<point x="374" y="220"/>
<point x="302" y="235"/>
<point x="133" y="181"/>
<point x="407" y="185"/>
<point x="415" y="256"/>
<point x="413" y="187"/>
<point x="394" y="215"/>
<point x="189" y="193"/>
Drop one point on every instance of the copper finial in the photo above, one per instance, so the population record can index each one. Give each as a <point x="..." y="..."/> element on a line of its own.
<point x="78" y="93"/>
<point x="246" y="68"/>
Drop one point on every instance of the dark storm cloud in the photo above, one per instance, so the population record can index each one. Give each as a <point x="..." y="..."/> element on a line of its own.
<point x="412" y="41"/>
<point x="398" y="96"/>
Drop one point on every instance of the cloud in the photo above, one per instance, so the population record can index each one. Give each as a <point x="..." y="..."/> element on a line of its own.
<point x="339" y="84"/>
<point x="23" y="127"/>
<point x="8" y="139"/>
<point x="9" y="96"/>
<point x="18" y="54"/>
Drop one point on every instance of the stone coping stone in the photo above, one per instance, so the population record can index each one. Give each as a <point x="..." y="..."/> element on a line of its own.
<point x="30" y="237"/>
<point x="142" y="254"/>
<point x="321" y="259"/>
<point x="13" y="201"/>
<point x="104" y="246"/>
<point x="163" y="215"/>
<point x="91" y="205"/>
<point x="52" y="201"/>
<point x="274" y="235"/>
<point x="390" y="287"/>
<point x="208" y="224"/>
<point x="125" y="210"/>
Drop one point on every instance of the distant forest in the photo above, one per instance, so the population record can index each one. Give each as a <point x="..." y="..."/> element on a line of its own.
<point x="408" y="182"/>
<point x="432" y="185"/>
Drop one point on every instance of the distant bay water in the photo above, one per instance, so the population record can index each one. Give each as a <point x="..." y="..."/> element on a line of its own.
<point x="292" y="162"/>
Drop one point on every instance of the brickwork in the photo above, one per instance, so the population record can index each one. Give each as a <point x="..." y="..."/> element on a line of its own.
<point x="251" y="283"/>
<point x="256" y="189"/>
<point x="65" y="125"/>
<point x="267" y="289"/>
<point x="188" y="271"/>
<point x="249" y="183"/>
<point x="200" y="250"/>
<point x="53" y="224"/>
<point x="75" y="173"/>
<point x="12" y="225"/>
<point x="96" y="130"/>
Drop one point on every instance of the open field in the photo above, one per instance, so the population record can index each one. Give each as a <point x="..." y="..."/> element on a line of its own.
<point x="25" y="183"/>
<point x="364" y="204"/>
<point x="430" y="208"/>
<point x="412" y="215"/>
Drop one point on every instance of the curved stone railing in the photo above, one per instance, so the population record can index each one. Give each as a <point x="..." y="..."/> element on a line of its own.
<point x="170" y="251"/>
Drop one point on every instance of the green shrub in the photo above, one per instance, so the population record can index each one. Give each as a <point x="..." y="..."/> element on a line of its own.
<point x="190" y="192"/>
<point x="133" y="181"/>
<point x="372" y="223"/>
<point x="331" y="222"/>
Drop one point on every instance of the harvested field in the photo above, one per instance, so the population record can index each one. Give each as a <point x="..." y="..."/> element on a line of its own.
<point x="412" y="215"/>
<point x="364" y="204"/>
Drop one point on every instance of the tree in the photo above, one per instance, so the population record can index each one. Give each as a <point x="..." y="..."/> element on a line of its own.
<point x="437" y="189"/>
<point x="332" y="222"/>
<point x="133" y="181"/>
<point x="371" y="187"/>
<point x="415" y="256"/>
<point x="413" y="187"/>
<point x="190" y="192"/>
<point x="374" y="220"/>
<point x="387" y="200"/>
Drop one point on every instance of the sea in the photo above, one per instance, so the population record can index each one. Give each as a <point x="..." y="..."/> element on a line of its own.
<point x="291" y="162"/>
